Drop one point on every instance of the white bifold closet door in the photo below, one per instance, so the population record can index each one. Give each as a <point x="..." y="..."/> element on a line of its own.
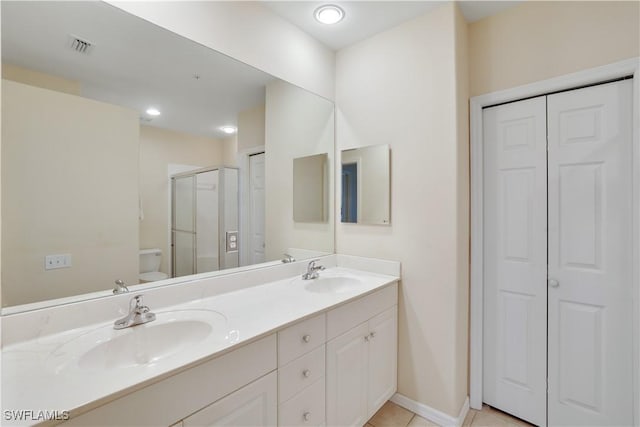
<point x="557" y="257"/>
<point x="515" y="259"/>
<point x="590" y="250"/>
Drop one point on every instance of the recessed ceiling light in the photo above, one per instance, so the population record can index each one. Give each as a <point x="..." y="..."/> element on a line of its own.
<point x="153" y="111"/>
<point x="329" y="14"/>
<point x="228" y="129"/>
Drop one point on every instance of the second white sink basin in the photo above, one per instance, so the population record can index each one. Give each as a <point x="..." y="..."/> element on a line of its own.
<point x="332" y="284"/>
<point x="172" y="332"/>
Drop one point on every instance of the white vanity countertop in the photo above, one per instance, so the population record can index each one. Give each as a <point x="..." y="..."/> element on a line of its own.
<point x="30" y="380"/>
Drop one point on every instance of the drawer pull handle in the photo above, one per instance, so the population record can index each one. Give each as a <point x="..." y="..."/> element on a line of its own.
<point x="306" y="338"/>
<point x="306" y="373"/>
<point x="306" y="416"/>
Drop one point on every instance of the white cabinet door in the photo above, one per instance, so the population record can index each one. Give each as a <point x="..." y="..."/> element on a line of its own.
<point x="515" y="259"/>
<point x="383" y="355"/>
<point x="253" y="405"/>
<point x="590" y="250"/>
<point x="347" y="373"/>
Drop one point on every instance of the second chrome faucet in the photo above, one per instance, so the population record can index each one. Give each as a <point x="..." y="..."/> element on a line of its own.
<point x="138" y="314"/>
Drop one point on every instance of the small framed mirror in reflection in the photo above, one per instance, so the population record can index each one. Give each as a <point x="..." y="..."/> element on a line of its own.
<point x="366" y="185"/>
<point x="310" y="188"/>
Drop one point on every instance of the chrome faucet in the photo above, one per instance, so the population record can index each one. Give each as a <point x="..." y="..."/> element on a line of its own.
<point x="120" y="287"/>
<point x="288" y="258"/>
<point x="312" y="270"/>
<point x="138" y="314"/>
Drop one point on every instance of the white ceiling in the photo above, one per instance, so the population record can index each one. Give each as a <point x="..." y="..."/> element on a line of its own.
<point x="136" y="64"/>
<point x="133" y="63"/>
<point x="366" y="18"/>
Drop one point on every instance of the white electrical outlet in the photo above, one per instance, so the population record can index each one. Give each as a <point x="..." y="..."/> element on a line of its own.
<point x="57" y="261"/>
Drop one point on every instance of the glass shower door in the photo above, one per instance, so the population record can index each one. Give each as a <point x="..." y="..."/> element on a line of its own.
<point x="183" y="231"/>
<point x="207" y="213"/>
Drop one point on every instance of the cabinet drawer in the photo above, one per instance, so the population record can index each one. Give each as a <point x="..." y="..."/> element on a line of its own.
<point x="343" y="318"/>
<point x="252" y="405"/>
<point x="300" y="338"/>
<point x="304" y="409"/>
<point x="300" y="373"/>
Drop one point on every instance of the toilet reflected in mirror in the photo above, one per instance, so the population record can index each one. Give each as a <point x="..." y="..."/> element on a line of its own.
<point x="150" y="260"/>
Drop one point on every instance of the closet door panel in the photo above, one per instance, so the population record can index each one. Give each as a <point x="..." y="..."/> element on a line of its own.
<point x="590" y="247"/>
<point x="515" y="257"/>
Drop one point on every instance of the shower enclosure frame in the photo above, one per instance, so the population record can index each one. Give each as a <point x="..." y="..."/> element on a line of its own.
<point x="223" y="235"/>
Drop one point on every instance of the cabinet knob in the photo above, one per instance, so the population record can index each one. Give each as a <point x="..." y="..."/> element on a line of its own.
<point x="306" y="373"/>
<point x="553" y="283"/>
<point x="367" y="338"/>
<point x="372" y="334"/>
<point x="306" y="416"/>
<point x="306" y="338"/>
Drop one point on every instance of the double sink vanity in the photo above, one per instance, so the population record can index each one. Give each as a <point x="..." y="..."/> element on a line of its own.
<point x="258" y="347"/>
<point x="207" y="326"/>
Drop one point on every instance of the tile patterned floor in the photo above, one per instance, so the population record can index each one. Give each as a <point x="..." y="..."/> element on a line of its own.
<point x="392" y="415"/>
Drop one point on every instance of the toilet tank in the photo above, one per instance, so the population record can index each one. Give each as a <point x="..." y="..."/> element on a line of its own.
<point x="150" y="260"/>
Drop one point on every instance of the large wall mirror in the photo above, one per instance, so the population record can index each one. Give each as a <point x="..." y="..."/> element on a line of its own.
<point x="366" y="185"/>
<point x="131" y="153"/>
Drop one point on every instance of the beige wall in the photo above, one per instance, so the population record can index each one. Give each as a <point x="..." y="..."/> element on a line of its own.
<point x="158" y="149"/>
<point x="1" y="301"/>
<point x="542" y="39"/>
<point x="251" y="128"/>
<point x="248" y="32"/>
<point x="297" y="124"/>
<point x="38" y="79"/>
<point x="463" y="220"/>
<point x="230" y="151"/>
<point x="405" y="87"/>
<point x="69" y="185"/>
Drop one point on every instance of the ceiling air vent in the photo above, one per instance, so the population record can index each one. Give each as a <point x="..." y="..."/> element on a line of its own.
<point x="80" y="45"/>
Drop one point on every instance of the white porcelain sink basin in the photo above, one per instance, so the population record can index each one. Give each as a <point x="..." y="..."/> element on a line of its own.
<point x="332" y="284"/>
<point x="171" y="333"/>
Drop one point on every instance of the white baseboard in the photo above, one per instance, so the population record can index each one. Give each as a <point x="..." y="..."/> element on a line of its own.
<point x="431" y="414"/>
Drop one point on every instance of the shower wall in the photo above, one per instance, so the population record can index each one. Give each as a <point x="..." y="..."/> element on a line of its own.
<point x="230" y="219"/>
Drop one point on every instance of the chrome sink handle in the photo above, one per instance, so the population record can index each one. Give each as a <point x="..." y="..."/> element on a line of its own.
<point x="313" y="270"/>
<point x="138" y="314"/>
<point x="138" y="307"/>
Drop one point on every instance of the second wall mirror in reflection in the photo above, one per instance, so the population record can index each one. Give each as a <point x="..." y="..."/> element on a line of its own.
<point x="310" y="188"/>
<point x="366" y="185"/>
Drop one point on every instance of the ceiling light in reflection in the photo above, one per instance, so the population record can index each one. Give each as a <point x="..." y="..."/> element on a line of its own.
<point x="229" y="130"/>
